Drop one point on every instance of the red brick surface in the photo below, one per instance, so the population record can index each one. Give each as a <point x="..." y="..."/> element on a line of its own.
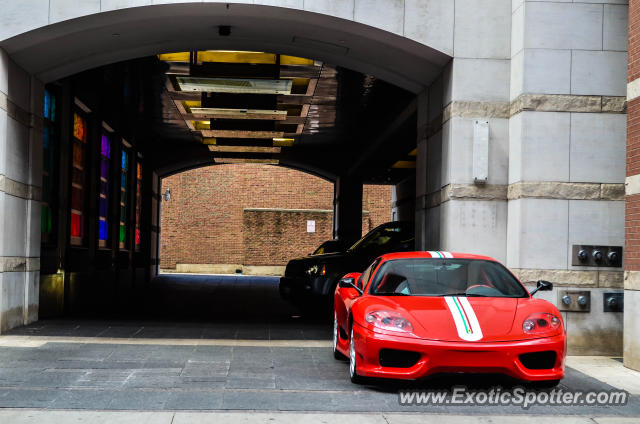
<point x="273" y="237"/>
<point x="632" y="204"/>
<point x="203" y="222"/>
<point x="634" y="40"/>
<point x="632" y="233"/>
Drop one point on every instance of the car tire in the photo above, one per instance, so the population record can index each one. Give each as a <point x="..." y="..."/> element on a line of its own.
<point x="336" y="334"/>
<point x="353" y="365"/>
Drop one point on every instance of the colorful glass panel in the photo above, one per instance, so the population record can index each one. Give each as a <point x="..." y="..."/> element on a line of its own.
<point x="49" y="152"/>
<point x="79" y="128"/>
<point x="124" y="197"/>
<point x="138" y="236"/>
<point x="103" y="230"/>
<point x="105" y="165"/>
<point x="47" y="104"/>
<point x="78" y="179"/>
<point x="77" y="225"/>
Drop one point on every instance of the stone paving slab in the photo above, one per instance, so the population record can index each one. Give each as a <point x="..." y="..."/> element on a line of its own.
<point x="194" y="377"/>
<point x="26" y="416"/>
<point x="84" y="365"/>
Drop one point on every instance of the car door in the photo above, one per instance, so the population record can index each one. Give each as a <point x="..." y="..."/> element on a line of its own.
<point x="346" y="296"/>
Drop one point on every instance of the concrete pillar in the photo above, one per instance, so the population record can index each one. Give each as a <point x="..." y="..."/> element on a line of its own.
<point x="156" y="205"/>
<point x="347" y="209"/>
<point x="567" y="155"/>
<point x="457" y="212"/>
<point x="21" y="108"/>
<point x="403" y="198"/>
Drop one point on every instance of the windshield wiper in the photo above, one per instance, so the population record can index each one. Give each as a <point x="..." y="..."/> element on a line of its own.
<point x="466" y="294"/>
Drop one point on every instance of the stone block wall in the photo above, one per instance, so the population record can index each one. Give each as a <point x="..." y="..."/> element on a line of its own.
<point x="21" y="100"/>
<point x="548" y="78"/>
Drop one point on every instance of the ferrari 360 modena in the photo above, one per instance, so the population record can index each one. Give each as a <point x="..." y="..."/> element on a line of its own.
<point x="413" y="314"/>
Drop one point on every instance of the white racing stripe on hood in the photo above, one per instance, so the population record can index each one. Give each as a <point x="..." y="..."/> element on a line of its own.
<point x="465" y="318"/>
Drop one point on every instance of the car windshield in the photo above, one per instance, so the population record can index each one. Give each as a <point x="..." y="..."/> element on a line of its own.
<point x="327" y="247"/>
<point x="445" y="277"/>
<point x="382" y="236"/>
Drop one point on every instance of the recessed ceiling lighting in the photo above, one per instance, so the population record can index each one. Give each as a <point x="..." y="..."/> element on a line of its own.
<point x="245" y="160"/>
<point x="283" y="142"/>
<point x="233" y="85"/>
<point x="243" y="149"/>
<point x="214" y="112"/>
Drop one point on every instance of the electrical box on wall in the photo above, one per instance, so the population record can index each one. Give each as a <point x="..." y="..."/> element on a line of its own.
<point x="601" y="256"/>
<point x="613" y="302"/>
<point x="574" y="301"/>
<point x="480" y="152"/>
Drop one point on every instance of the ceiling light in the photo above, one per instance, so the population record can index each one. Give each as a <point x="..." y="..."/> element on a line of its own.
<point x="243" y="149"/>
<point x="215" y="112"/>
<point x="233" y="85"/>
<point x="245" y="160"/>
<point x="240" y="133"/>
<point x="283" y="142"/>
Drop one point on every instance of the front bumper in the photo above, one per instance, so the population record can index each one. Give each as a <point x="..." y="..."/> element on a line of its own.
<point x="292" y="289"/>
<point x="454" y="357"/>
<point x="300" y="290"/>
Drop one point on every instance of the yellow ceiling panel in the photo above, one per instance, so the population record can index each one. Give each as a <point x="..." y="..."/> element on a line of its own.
<point x="283" y="142"/>
<point x="292" y="60"/>
<point x="174" y="57"/>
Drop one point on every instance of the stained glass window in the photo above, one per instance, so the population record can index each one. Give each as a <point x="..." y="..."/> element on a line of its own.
<point x="103" y="209"/>
<point x="49" y="168"/>
<point x="138" y="237"/>
<point x="78" y="179"/>
<point x="124" y="197"/>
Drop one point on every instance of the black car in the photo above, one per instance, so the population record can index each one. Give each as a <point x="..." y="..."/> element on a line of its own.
<point x="330" y="246"/>
<point x="311" y="280"/>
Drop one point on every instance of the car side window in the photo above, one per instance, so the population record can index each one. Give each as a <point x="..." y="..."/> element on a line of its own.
<point x="366" y="275"/>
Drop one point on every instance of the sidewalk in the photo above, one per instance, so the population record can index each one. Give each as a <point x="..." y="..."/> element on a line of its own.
<point x="608" y="370"/>
<point x="27" y="416"/>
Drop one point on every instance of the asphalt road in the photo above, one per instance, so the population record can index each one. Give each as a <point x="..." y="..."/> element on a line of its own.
<point x="246" y="351"/>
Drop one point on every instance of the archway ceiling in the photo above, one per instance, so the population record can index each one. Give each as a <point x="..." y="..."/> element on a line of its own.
<point x="68" y="47"/>
<point x="354" y="113"/>
<point x="285" y="110"/>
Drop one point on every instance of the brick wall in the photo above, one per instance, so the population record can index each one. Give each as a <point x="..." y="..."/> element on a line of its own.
<point x="632" y="205"/>
<point x="634" y="40"/>
<point x="203" y="222"/>
<point x="272" y="237"/>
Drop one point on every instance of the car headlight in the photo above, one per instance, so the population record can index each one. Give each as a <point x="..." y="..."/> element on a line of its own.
<point x="388" y="320"/>
<point x="541" y="323"/>
<point x="312" y="270"/>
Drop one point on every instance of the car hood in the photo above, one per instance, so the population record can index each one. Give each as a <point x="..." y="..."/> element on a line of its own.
<point x="452" y="318"/>
<point x="300" y="266"/>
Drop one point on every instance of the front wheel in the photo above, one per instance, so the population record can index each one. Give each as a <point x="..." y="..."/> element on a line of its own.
<point x="336" y="334"/>
<point x="353" y="365"/>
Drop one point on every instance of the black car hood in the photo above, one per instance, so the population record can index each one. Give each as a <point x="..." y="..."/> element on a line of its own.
<point x="300" y="266"/>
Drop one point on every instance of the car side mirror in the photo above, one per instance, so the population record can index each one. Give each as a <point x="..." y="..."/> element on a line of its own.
<point x="349" y="283"/>
<point x="543" y="286"/>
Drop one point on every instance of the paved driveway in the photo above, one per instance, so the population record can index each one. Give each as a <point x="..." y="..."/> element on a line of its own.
<point x="268" y="359"/>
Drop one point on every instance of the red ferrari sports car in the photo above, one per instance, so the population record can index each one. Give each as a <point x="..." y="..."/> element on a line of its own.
<point x="413" y="314"/>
